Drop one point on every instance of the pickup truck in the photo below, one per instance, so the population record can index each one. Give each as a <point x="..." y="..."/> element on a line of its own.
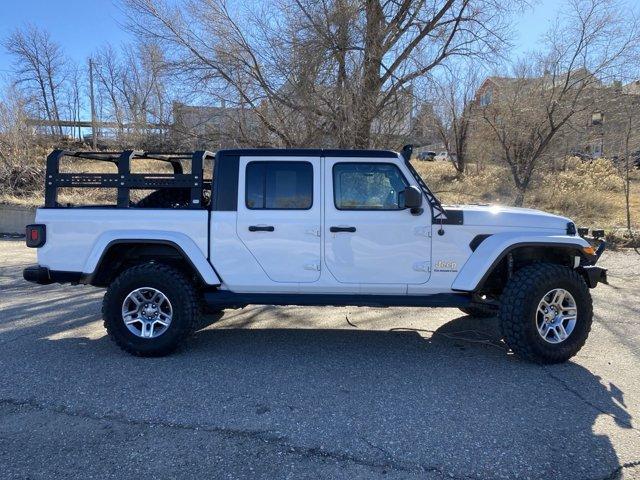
<point x="306" y="227"/>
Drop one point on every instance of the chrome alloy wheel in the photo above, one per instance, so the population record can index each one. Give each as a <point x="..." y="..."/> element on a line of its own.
<point x="556" y="316"/>
<point x="147" y="312"/>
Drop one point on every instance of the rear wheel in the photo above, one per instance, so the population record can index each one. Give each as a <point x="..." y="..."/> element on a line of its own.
<point x="546" y="313"/>
<point x="150" y="309"/>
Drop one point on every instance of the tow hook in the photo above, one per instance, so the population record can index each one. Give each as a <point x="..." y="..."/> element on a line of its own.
<point x="592" y="275"/>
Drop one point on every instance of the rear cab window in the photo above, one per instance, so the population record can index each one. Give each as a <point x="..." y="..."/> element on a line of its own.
<point x="279" y="185"/>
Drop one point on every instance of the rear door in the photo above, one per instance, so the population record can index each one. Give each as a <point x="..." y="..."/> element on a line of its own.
<point x="279" y="215"/>
<point x="369" y="237"/>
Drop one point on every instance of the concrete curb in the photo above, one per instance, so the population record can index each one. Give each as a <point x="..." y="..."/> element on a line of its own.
<point x="13" y="219"/>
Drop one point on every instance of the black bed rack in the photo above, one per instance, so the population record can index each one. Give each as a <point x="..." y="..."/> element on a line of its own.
<point x="124" y="180"/>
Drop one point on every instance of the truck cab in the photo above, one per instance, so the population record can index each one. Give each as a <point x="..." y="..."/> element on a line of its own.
<point x="321" y="222"/>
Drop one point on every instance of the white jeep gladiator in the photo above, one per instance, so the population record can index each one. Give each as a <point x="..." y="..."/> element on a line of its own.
<point x="306" y="227"/>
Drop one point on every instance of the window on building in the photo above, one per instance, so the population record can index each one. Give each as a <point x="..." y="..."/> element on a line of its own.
<point x="485" y="98"/>
<point x="597" y="118"/>
<point x="279" y="185"/>
<point x="597" y="149"/>
<point x="367" y="186"/>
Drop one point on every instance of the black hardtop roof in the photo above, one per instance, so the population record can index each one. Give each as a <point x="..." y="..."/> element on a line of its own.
<point x="308" y="152"/>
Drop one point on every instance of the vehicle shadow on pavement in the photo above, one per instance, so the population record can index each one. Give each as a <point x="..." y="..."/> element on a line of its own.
<point x="443" y="394"/>
<point x="450" y="401"/>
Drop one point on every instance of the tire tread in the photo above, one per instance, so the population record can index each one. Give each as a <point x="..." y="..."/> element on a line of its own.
<point x="514" y="302"/>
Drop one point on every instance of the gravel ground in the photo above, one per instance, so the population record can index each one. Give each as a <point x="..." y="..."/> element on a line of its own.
<point x="291" y="392"/>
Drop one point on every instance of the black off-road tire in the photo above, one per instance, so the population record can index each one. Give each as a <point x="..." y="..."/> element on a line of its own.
<point x="479" y="310"/>
<point x="518" y="307"/>
<point x="175" y="286"/>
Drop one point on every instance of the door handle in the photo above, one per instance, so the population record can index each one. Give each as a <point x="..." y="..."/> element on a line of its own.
<point x="342" y="229"/>
<point x="261" y="228"/>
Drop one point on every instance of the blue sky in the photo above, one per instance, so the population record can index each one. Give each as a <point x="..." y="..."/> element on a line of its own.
<point x="533" y="24"/>
<point x="81" y="26"/>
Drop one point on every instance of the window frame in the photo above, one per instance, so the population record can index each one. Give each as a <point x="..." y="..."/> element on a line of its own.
<point x="486" y="97"/>
<point x="333" y="185"/>
<point x="246" y="184"/>
<point x="597" y="118"/>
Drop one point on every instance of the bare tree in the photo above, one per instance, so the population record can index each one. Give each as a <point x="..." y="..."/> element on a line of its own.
<point x="72" y="97"/>
<point x="589" y="46"/>
<point x="454" y="92"/>
<point x="40" y="69"/>
<point x="17" y="144"/>
<point x="108" y="72"/>
<point x="133" y="92"/>
<point x="319" y="71"/>
<point x="623" y="133"/>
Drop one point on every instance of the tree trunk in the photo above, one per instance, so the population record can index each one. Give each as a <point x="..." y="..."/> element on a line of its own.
<point x="54" y="102"/>
<point x="627" y="188"/>
<point x="460" y="161"/>
<point x="46" y="102"/>
<point x="460" y="164"/>
<point x="369" y="96"/>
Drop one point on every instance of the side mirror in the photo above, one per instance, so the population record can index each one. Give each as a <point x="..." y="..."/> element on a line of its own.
<point x="412" y="197"/>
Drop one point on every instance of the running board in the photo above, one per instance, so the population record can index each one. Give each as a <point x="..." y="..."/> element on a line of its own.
<point x="225" y="299"/>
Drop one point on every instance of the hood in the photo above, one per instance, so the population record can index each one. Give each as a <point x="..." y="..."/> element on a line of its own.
<point x="499" y="216"/>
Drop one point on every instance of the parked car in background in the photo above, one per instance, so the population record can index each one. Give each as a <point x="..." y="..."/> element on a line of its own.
<point x="584" y="156"/>
<point x="445" y="156"/>
<point x="427" y="156"/>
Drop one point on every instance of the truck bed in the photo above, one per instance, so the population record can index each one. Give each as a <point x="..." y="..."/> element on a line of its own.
<point x="77" y="237"/>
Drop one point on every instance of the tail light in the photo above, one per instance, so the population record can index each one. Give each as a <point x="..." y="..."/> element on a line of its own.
<point x="36" y="235"/>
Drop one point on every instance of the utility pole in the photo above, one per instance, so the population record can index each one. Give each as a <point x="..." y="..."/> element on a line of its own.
<point x="94" y="131"/>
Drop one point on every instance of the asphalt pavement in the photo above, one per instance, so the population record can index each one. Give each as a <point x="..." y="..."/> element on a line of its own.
<point x="293" y="392"/>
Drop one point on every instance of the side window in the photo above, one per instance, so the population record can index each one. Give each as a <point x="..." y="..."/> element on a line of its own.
<point x="367" y="186"/>
<point x="279" y="185"/>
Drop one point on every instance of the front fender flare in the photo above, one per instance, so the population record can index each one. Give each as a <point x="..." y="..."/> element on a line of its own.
<point x="494" y="248"/>
<point x="179" y="240"/>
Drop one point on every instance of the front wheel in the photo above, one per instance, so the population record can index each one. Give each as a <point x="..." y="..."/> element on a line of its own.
<point x="546" y="313"/>
<point x="150" y="309"/>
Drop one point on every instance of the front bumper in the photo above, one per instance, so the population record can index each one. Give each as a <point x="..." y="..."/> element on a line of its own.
<point x="592" y="274"/>
<point x="44" y="276"/>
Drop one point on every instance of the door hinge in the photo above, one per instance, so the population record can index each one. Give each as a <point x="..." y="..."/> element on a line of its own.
<point x="424" y="231"/>
<point x="422" y="266"/>
<point x="312" y="266"/>
<point x="314" y="231"/>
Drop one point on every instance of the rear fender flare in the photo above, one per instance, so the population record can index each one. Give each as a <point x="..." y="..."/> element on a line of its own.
<point x="180" y="241"/>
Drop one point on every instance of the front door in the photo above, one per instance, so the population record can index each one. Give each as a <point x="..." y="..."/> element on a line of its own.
<point x="279" y="215"/>
<point x="369" y="237"/>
